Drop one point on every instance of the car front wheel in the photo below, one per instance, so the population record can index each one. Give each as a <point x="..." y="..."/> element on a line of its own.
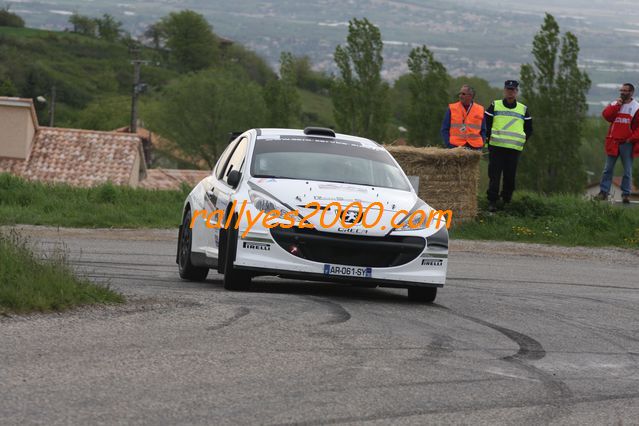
<point x="187" y="270"/>
<point x="422" y="294"/>
<point x="234" y="279"/>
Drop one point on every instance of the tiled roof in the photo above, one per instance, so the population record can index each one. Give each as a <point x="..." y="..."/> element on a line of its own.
<point x="141" y="131"/>
<point x="11" y="165"/>
<point x="82" y="157"/>
<point x="172" y="178"/>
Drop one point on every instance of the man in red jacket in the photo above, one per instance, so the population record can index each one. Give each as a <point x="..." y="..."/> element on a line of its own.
<point x="622" y="140"/>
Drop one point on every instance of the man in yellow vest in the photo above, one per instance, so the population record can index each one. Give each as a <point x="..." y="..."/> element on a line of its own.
<point x="464" y="123"/>
<point x="509" y="126"/>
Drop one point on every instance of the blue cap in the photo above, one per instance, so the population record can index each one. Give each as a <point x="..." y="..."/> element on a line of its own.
<point x="511" y="84"/>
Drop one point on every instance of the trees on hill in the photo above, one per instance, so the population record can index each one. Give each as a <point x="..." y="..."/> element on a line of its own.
<point x="309" y="79"/>
<point x="83" y="25"/>
<point x="108" y="28"/>
<point x="428" y="85"/>
<point x="281" y="95"/>
<point x="198" y="111"/>
<point x="554" y="88"/>
<point x="105" y="28"/>
<point x="362" y="101"/>
<point x="190" y="40"/>
<point x="360" y="96"/>
<point x="9" y="19"/>
<point x="202" y="90"/>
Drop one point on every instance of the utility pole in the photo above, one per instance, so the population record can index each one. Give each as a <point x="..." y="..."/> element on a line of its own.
<point x="137" y="89"/>
<point x="52" y="107"/>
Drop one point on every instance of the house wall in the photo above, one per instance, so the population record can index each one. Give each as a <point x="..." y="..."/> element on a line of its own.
<point x="134" y="180"/>
<point x="17" y="128"/>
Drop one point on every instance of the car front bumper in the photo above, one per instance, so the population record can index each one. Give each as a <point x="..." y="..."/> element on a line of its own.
<point x="259" y="252"/>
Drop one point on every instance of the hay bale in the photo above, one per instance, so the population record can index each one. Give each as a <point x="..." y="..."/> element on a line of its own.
<point x="448" y="178"/>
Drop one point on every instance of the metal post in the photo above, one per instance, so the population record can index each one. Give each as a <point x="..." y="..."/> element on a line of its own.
<point x="137" y="89"/>
<point x="52" y="107"/>
<point x="133" y="128"/>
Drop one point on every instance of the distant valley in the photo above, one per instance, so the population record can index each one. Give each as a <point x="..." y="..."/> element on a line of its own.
<point x="489" y="39"/>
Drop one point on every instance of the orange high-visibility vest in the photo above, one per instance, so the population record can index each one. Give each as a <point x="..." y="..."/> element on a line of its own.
<point x="465" y="128"/>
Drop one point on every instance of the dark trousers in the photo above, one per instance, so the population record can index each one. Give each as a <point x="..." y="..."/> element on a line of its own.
<point x="501" y="161"/>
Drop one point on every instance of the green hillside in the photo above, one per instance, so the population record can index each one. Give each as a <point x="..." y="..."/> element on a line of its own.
<point x="82" y="69"/>
<point x="316" y="109"/>
<point x="93" y="81"/>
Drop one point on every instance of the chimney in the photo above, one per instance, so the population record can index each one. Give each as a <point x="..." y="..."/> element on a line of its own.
<point x="18" y="126"/>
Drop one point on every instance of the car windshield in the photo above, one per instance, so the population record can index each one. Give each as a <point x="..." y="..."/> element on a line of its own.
<point x="329" y="160"/>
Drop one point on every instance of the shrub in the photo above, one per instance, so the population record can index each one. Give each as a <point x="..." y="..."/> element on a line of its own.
<point x="8" y="19"/>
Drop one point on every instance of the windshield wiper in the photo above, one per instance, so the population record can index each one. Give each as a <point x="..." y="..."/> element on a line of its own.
<point x="346" y="183"/>
<point x="272" y="177"/>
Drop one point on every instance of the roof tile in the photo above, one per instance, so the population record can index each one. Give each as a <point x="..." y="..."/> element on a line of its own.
<point x="172" y="178"/>
<point x="82" y="157"/>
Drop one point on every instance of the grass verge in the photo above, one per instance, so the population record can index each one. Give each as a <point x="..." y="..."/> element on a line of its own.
<point x="560" y="219"/>
<point x="28" y="283"/>
<point x="105" y="206"/>
<point x="567" y="220"/>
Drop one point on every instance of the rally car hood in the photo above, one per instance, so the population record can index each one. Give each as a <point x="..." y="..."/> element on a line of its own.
<point x="297" y="194"/>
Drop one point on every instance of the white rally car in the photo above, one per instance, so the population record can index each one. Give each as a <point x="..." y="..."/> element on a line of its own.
<point x="331" y="207"/>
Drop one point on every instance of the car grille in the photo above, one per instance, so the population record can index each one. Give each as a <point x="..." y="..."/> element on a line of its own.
<point x="343" y="249"/>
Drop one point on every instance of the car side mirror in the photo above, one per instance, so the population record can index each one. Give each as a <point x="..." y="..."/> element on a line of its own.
<point x="233" y="179"/>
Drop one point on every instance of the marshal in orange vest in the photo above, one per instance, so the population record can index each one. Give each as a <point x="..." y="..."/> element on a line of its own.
<point x="465" y="128"/>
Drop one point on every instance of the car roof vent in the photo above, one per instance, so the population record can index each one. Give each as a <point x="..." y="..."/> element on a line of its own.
<point x="319" y="131"/>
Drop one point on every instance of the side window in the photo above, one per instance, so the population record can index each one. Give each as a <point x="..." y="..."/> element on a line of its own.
<point x="237" y="158"/>
<point x="224" y="158"/>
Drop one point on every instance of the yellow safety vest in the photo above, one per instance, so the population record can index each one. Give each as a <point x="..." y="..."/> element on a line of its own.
<point x="508" y="126"/>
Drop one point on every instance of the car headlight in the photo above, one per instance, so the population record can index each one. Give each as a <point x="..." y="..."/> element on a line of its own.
<point x="416" y="223"/>
<point x="266" y="204"/>
<point x="426" y="218"/>
<point x="422" y="218"/>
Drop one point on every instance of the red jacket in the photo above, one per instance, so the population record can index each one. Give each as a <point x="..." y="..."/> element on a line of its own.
<point x="624" y="125"/>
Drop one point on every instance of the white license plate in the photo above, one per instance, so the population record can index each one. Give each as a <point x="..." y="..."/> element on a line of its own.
<point x="348" y="271"/>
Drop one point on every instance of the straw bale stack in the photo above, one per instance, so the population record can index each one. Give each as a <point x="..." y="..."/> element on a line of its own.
<point x="448" y="178"/>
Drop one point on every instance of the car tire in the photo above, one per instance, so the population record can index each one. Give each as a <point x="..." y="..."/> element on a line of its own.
<point x="234" y="279"/>
<point x="187" y="270"/>
<point x="422" y="294"/>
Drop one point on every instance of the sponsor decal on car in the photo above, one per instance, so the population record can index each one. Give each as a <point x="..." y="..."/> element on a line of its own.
<point x="256" y="246"/>
<point x="432" y="262"/>
<point x="353" y="230"/>
<point x="352" y="216"/>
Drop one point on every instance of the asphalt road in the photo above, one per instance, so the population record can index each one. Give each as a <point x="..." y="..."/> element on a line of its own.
<point x="520" y="334"/>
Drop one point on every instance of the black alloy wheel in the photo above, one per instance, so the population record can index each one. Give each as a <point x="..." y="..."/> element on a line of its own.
<point x="187" y="270"/>
<point x="234" y="279"/>
<point x="422" y="294"/>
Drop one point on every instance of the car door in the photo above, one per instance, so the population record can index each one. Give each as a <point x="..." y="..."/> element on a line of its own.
<point x="204" y="238"/>
<point x="219" y="196"/>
